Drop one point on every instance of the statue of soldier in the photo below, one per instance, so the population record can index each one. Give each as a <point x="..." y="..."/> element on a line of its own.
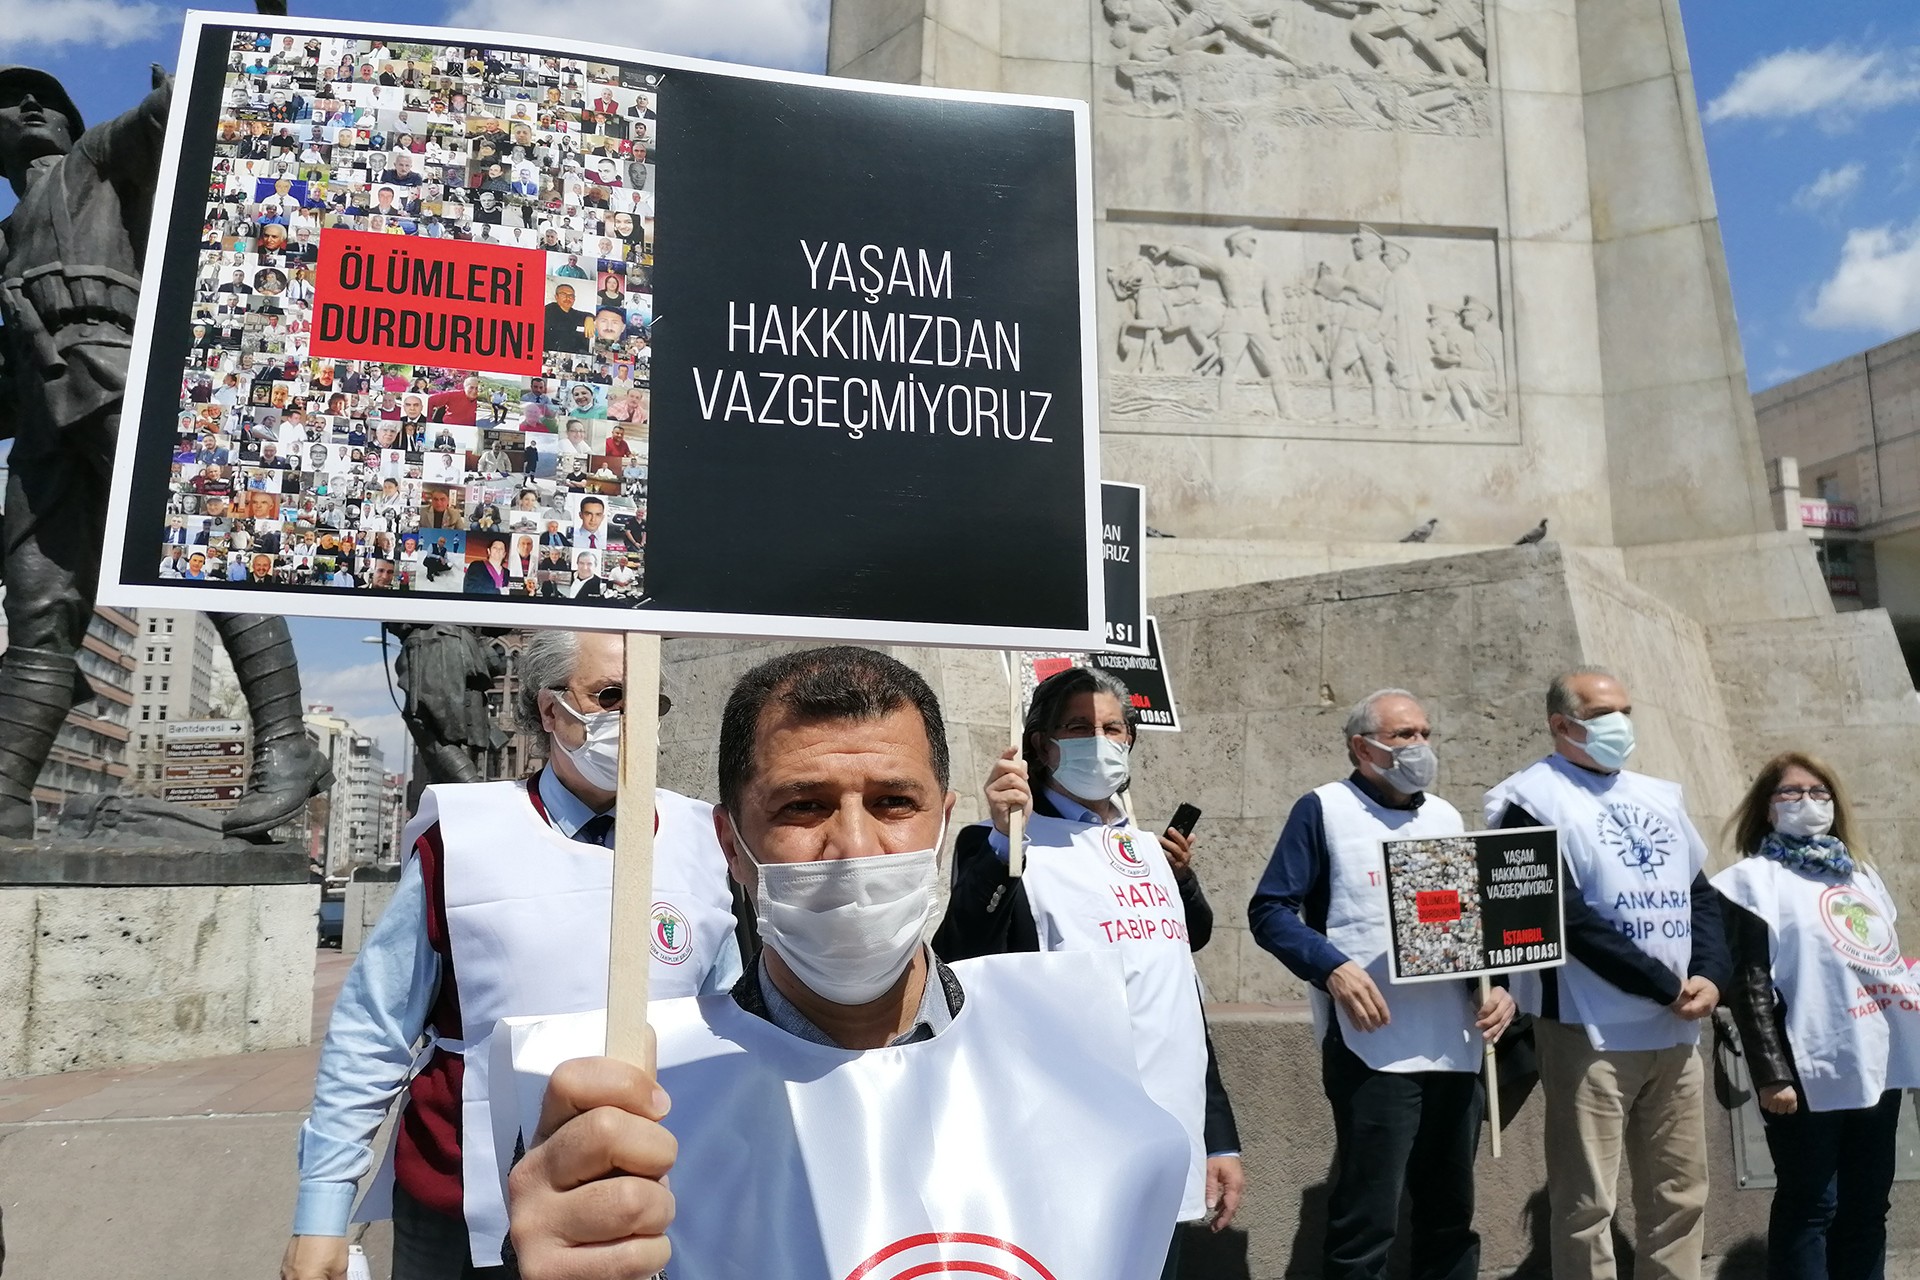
<point x="70" y="258"/>
<point x="446" y="672"/>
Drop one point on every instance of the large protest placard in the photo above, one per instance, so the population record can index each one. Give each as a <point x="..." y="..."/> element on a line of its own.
<point x="1123" y="539"/>
<point x="1483" y="902"/>
<point x="500" y="329"/>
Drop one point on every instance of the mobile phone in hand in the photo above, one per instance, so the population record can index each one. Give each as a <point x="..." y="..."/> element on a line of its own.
<point x="1184" y="819"/>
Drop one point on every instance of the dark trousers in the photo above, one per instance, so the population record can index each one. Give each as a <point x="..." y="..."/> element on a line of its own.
<point x="1835" y="1171"/>
<point x="1414" y="1134"/>
<point x="432" y="1246"/>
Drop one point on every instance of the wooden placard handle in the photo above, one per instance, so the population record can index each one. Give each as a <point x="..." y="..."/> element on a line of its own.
<point x="1017" y="820"/>
<point x="630" y="954"/>
<point x="1493" y="1072"/>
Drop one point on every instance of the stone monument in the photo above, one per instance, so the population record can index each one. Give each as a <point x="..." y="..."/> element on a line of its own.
<point x="1384" y="285"/>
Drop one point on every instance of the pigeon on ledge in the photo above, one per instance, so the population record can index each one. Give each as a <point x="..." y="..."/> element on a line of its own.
<point x="1424" y="532"/>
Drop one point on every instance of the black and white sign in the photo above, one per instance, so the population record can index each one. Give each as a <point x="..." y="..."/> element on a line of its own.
<point x="1123" y="541"/>
<point x="508" y="330"/>
<point x="1145" y="676"/>
<point x="1484" y="902"/>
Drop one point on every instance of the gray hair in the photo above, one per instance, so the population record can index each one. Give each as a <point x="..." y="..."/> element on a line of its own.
<point x="1361" y="719"/>
<point x="1561" y="700"/>
<point x="546" y="662"/>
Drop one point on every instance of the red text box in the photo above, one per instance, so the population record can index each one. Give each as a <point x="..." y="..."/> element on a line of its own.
<point x="1437" y="906"/>
<point x="449" y="304"/>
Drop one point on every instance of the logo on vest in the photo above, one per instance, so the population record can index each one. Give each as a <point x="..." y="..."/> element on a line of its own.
<point x="1862" y="936"/>
<point x="1639" y="837"/>
<point x="944" y="1253"/>
<point x="672" y="935"/>
<point x="1123" y="852"/>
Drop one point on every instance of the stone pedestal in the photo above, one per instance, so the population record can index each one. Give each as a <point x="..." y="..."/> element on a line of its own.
<point x="110" y="955"/>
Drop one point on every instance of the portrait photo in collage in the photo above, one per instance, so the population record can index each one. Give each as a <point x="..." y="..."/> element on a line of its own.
<point x="297" y="470"/>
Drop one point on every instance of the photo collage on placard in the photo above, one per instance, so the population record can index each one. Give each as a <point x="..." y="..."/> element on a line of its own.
<point x="296" y="471"/>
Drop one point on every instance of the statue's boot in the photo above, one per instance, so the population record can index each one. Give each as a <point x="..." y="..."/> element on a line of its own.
<point x="288" y="766"/>
<point x="37" y="688"/>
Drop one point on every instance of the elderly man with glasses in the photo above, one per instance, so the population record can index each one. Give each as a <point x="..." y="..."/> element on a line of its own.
<point x="507" y="885"/>
<point x="1400" y="1069"/>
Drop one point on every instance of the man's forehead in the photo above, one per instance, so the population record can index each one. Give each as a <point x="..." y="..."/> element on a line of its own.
<point x="1398" y="710"/>
<point x="1590" y="688"/>
<point x="601" y="659"/>
<point x="791" y="750"/>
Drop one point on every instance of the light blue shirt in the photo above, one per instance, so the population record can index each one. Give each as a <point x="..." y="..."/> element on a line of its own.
<point x="933" y="1016"/>
<point x="1067" y="807"/>
<point x="378" y="1021"/>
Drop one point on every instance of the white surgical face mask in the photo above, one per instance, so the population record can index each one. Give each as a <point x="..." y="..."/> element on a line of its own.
<point x="1609" y="739"/>
<point x="1091" y="768"/>
<point x="1414" y="766"/>
<point x="597" y="760"/>
<point x="847" y="927"/>
<point x="1803" y="817"/>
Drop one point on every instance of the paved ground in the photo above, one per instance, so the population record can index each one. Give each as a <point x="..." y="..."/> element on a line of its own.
<point x="179" y="1170"/>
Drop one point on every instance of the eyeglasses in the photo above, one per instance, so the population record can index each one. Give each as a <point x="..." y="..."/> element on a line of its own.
<point x="610" y="698"/>
<point x="1802" y="793"/>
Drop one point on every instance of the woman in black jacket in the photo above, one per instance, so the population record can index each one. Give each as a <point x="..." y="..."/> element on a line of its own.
<point x="1818" y="993"/>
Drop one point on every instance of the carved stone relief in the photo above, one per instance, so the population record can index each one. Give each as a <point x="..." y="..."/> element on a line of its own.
<point x="1280" y="331"/>
<point x="1412" y="66"/>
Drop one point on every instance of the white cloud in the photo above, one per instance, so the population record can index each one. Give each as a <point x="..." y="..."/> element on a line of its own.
<point x="1876" y="286"/>
<point x="1834" y="82"/>
<point x="790" y="34"/>
<point x="52" y="23"/>
<point x="1834" y="187"/>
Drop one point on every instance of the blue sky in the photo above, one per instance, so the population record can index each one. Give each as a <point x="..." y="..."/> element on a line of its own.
<point x="1811" y="111"/>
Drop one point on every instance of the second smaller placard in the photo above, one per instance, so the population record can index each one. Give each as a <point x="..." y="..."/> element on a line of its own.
<point x="1480" y="902"/>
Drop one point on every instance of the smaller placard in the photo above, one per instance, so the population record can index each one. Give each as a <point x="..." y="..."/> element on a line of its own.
<point x="1123" y="552"/>
<point x="1481" y="902"/>
<point x="1145" y="676"/>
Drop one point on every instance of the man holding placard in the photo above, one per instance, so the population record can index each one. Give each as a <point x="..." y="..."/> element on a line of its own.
<point x="508" y="888"/>
<point x="845" y="1112"/>
<point x="1646" y="962"/>
<point x="1401" y="1074"/>
<point x="1093" y="882"/>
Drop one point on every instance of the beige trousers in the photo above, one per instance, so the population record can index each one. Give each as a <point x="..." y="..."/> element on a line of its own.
<point x="1649" y="1103"/>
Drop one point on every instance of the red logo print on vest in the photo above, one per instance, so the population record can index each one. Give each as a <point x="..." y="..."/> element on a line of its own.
<point x="945" y="1253"/>
<point x="1123" y="851"/>
<point x="672" y="935"/>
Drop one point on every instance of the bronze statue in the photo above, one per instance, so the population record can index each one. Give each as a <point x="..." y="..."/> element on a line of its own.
<point x="446" y="672"/>
<point x="70" y="258"/>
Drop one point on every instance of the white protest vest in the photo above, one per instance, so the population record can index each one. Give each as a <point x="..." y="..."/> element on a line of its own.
<point x="1095" y="888"/>
<point x="1633" y="854"/>
<point x="1432" y="1022"/>
<point x="1853" y="1010"/>
<point x="528" y="920"/>
<point x="1019" y="1142"/>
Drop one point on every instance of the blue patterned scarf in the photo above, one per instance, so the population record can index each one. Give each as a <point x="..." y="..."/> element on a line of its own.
<point x="1822" y="855"/>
